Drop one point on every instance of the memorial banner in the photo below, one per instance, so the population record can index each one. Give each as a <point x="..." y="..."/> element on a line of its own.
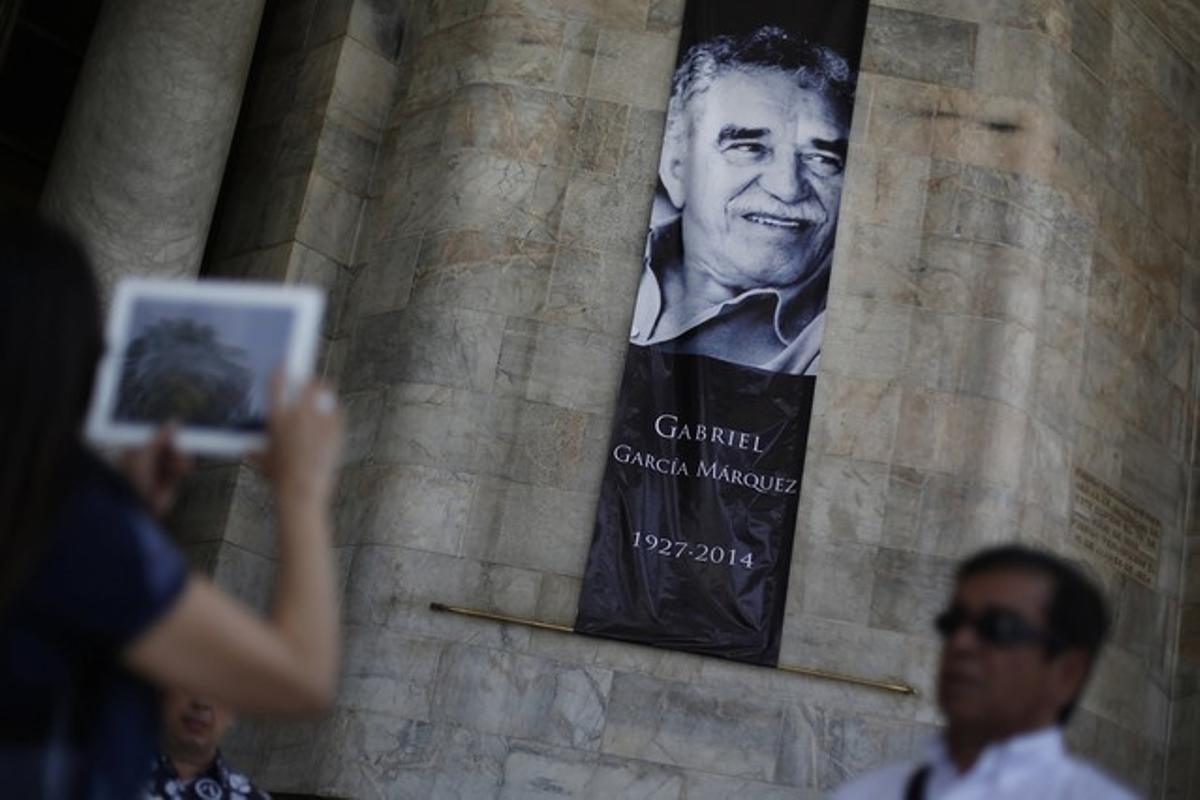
<point x="693" y="534"/>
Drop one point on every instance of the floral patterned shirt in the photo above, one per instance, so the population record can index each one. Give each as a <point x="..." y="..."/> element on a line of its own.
<point x="218" y="782"/>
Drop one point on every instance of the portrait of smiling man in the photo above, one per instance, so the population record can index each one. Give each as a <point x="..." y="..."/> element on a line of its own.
<point x="753" y="161"/>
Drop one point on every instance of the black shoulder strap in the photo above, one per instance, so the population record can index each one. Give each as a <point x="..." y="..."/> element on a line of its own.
<point x="916" y="784"/>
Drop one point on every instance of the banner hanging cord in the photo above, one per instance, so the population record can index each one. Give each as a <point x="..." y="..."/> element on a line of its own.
<point x="812" y="672"/>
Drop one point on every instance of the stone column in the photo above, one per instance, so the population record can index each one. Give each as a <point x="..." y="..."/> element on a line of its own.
<point x="141" y="155"/>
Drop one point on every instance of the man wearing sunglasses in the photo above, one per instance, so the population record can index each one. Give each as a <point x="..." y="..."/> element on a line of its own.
<point x="1018" y="642"/>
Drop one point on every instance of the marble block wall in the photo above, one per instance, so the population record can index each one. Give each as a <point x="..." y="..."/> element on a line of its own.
<point x="1015" y="295"/>
<point x="290" y="210"/>
<point x="138" y="163"/>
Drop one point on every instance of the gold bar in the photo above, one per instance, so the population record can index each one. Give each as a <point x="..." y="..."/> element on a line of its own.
<point x="529" y="623"/>
<point x="812" y="672"/>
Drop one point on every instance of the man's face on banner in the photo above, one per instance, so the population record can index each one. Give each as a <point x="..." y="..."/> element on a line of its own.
<point x="759" y="179"/>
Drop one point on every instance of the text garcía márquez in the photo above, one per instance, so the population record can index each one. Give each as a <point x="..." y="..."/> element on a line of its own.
<point x="670" y="427"/>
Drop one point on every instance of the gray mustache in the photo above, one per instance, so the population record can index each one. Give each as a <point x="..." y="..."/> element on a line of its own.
<point x="779" y="210"/>
<point x="802" y="211"/>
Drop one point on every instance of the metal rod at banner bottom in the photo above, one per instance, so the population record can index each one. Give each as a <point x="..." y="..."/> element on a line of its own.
<point x="812" y="672"/>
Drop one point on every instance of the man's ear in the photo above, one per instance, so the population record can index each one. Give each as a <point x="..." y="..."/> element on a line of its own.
<point x="671" y="169"/>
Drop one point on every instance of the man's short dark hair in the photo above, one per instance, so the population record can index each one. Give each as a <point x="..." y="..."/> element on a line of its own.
<point x="1078" y="617"/>
<point x="813" y="66"/>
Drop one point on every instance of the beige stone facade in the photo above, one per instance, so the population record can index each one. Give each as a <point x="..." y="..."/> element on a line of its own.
<point x="1016" y="296"/>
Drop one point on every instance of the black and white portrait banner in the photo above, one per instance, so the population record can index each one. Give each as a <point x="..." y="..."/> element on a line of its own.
<point x="693" y="534"/>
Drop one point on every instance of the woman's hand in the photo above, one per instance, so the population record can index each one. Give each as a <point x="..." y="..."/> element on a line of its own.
<point x="156" y="469"/>
<point x="304" y="442"/>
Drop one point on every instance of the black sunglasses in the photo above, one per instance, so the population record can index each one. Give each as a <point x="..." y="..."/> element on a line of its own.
<point x="995" y="626"/>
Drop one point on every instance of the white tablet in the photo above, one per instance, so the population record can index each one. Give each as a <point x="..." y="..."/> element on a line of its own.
<point x="201" y="353"/>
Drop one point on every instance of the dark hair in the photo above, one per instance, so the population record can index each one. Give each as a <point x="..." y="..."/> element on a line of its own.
<point x="1077" y="617"/>
<point x="813" y="66"/>
<point x="50" y="342"/>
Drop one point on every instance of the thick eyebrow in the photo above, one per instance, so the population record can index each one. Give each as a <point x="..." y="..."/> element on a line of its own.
<point x="732" y="133"/>
<point x="837" y="146"/>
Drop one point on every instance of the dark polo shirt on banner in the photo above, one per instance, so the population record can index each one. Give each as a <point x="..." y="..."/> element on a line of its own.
<point x="74" y="723"/>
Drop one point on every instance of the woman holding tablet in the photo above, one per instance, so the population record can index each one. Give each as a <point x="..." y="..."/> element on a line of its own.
<point x="97" y="609"/>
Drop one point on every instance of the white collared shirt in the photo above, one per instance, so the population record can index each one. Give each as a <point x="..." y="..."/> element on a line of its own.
<point x="796" y="352"/>
<point x="1033" y="766"/>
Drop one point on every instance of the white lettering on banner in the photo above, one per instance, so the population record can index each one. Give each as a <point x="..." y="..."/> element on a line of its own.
<point x="713" y="470"/>
<point x="668" y="426"/>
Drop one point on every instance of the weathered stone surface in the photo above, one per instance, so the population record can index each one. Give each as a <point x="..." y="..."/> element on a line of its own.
<point x="138" y="165"/>
<point x="370" y="754"/>
<point x="969" y="356"/>
<point x="384" y="281"/>
<point x="427" y="424"/>
<point x="379" y="25"/>
<point x="529" y="125"/>
<point x="909" y="591"/>
<point x="824" y="749"/>
<point x="602" y="136"/>
<point x="449" y="347"/>
<point x="482" y="272"/>
<point x="329" y="219"/>
<point x="1015" y="13"/>
<point x="503" y="514"/>
<point x="364" y="85"/>
<point x="903" y="114"/>
<point x="393" y="587"/>
<point x="558" y="365"/>
<point x="865" y="339"/>
<point x="733" y="732"/>
<point x="591" y="290"/>
<point x="835" y="578"/>
<point x="608" y="214"/>
<point x="855" y="418"/>
<point x="624" y="62"/>
<point x="1067" y="87"/>
<point x="979" y="279"/>
<point x="389" y="670"/>
<point x="612" y="13"/>
<point x="522" y="696"/>
<point x="345" y="152"/>
<point x="533" y="771"/>
<point x="643" y="143"/>
<point x="537" y="443"/>
<point x="843" y="500"/>
<point x="513" y="49"/>
<point x="413" y="506"/>
<point x="853" y="649"/>
<point x="1091" y="32"/>
<point x="947" y="516"/>
<point x="886" y="189"/>
<point x="920" y="46"/>
<point x="665" y="15"/>
<point x="961" y="435"/>
<point x="475" y="191"/>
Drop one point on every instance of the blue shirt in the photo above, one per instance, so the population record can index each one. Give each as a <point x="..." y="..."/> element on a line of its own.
<point x="74" y="723"/>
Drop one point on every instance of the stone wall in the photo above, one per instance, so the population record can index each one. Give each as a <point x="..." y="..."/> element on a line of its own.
<point x="1015" y="295"/>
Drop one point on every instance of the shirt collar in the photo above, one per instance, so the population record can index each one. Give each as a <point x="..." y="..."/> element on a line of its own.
<point x="1000" y="758"/>
<point x="216" y="770"/>
<point x="663" y="247"/>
